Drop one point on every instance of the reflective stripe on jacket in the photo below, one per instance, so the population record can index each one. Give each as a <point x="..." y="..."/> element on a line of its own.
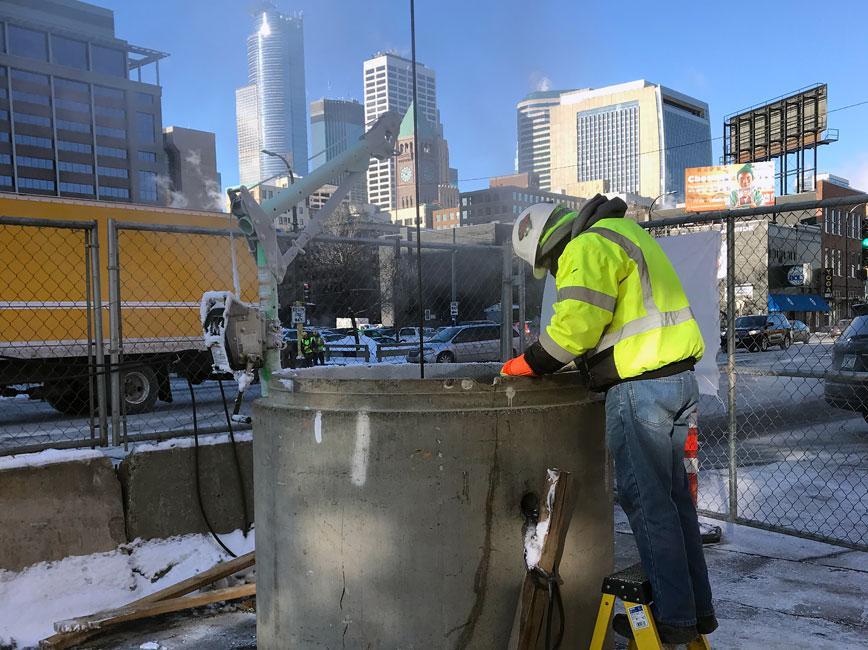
<point x="621" y="303"/>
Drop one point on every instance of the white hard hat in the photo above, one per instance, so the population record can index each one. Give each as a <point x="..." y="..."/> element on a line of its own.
<point x="527" y="231"/>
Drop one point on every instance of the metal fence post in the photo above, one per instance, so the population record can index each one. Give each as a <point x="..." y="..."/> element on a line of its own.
<point x="506" y="304"/>
<point x="730" y="364"/>
<point x="114" y="329"/>
<point x="522" y="308"/>
<point x="102" y="404"/>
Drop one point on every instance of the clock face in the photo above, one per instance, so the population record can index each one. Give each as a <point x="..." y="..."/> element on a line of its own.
<point x="406" y="174"/>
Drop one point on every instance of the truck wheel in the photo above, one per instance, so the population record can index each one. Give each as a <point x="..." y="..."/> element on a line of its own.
<point x="70" y="397"/>
<point x="139" y="389"/>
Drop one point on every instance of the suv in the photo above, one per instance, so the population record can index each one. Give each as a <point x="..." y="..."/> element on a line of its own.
<point x="412" y="333"/>
<point x="850" y="355"/>
<point x="463" y="343"/>
<point x="758" y="332"/>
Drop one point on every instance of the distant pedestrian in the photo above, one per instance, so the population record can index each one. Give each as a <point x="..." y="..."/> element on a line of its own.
<point x="319" y="349"/>
<point x="308" y="349"/>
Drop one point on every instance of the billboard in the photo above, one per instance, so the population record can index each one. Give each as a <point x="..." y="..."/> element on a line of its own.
<point x="778" y="127"/>
<point x="729" y="187"/>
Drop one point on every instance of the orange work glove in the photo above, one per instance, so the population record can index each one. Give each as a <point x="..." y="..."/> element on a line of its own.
<point x="517" y="368"/>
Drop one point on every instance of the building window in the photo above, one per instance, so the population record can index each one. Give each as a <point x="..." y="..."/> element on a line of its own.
<point x="110" y="111"/>
<point x="145" y="98"/>
<point x="4" y="136"/>
<point x="28" y="42"/>
<point x="77" y="168"/>
<point x="5" y="180"/>
<point x="107" y="60"/>
<point x="147" y="186"/>
<point x="26" y="118"/>
<point x="38" y="163"/>
<point x="145" y="127"/>
<point x="32" y="141"/>
<point x="5" y="159"/>
<point x="109" y="93"/>
<point x="32" y="77"/>
<point x="72" y="105"/>
<point x="112" y="152"/>
<point x="114" y="192"/>
<point x="114" y="172"/>
<point x="76" y="188"/>
<point x="33" y="98"/>
<point x="147" y="156"/>
<point x="35" y="183"/>
<point x="68" y="85"/>
<point x="69" y="125"/>
<point x="111" y="132"/>
<point x="77" y="147"/>
<point x="66" y="51"/>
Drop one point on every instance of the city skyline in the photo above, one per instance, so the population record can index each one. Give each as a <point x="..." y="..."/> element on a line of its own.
<point x="478" y="106"/>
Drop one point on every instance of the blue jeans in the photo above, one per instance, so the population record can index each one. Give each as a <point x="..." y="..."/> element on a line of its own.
<point x="646" y="428"/>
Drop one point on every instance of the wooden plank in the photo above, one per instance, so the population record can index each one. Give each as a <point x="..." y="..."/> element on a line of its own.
<point x="217" y="572"/>
<point x="147" y="610"/>
<point x="529" y="626"/>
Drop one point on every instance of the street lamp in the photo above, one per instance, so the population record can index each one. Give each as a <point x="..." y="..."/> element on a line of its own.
<point x="651" y="207"/>
<point x="291" y="182"/>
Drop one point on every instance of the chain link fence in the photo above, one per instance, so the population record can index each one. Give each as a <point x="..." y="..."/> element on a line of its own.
<point x="50" y="343"/>
<point x="784" y="445"/>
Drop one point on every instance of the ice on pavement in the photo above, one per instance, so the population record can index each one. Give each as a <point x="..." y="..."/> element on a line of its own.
<point x="34" y="598"/>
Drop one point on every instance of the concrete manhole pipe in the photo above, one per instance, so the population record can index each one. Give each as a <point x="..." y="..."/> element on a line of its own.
<point x="388" y="507"/>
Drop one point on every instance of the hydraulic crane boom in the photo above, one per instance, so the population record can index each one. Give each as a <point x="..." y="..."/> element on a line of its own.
<point x="256" y="222"/>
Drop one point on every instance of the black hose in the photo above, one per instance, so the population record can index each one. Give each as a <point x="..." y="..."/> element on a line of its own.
<point x="196" y="472"/>
<point x="243" y="491"/>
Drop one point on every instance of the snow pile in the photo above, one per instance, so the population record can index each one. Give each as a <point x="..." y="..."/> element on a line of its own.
<point x="189" y="441"/>
<point x="48" y="457"/>
<point x="535" y="536"/>
<point x="33" y="599"/>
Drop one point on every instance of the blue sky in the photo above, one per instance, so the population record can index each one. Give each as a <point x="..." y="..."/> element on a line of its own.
<point x="488" y="54"/>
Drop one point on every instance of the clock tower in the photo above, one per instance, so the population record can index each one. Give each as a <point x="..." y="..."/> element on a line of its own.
<point x="430" y="148"/>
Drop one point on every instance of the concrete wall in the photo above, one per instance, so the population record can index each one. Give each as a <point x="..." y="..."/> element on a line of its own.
<point x="51" y="511"/>
<point x="79" y="507"/>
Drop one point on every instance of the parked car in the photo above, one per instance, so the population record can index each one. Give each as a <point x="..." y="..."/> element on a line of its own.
<point x="801" y="332"/>
<point x="850" y="354"/>
<point x="408" y="334"/>
<point x="758" y="332"/>
<point x="838" y="328"/>
<point x="463" y="343"/>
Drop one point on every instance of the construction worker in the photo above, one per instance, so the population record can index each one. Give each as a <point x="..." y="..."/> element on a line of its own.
<point x="622" y="316"/>
<point x="318" y="349"/>
<point x="307" y="348"/>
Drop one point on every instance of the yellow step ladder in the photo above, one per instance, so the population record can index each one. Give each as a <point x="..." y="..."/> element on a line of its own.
<point x="633" y="588"/>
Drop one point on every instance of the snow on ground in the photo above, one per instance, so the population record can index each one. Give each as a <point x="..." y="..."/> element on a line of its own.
<point x="33" y="599"/>
<point x="174" y="443"/>
<point x="47" y="457"/>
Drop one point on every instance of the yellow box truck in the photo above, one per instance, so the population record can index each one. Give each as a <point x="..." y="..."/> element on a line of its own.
<point x="48" y="298"/>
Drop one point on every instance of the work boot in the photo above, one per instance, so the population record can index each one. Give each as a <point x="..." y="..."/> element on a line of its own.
<point x="668" y="633"/>
<point x="706" y="624"/>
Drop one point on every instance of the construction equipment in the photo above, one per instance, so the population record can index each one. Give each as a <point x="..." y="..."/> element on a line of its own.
<point x="634" y="589"/>
<point x="257" y="222"/>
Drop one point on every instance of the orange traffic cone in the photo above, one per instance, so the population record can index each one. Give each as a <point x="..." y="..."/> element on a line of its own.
<point x="710" y="534"/>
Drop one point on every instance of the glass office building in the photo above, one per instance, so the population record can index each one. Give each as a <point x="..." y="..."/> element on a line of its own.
<point x="533" y="150"/>
<point x="76" y="119"/>
<point x="271" y="110"/>
<point x="335" y="125"/>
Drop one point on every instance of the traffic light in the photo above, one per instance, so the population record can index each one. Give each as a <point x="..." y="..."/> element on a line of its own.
<point x="306" y="290"/>
<point x="865" y="252"/>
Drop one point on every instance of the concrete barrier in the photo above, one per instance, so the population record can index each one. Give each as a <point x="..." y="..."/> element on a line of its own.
<point x="159" y="489"/>
<point x="53" y="510"/>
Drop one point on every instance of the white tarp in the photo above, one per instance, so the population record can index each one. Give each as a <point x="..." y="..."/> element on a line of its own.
<point x="695" y="257"/>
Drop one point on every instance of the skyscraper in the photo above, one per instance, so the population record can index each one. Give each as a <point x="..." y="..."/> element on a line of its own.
<point x="636" y="137"/>
<point x="335" y="125"/>
<point x="388" y="82"/>
<point x="533" y="142"/>
<point x="76" y="119"/>
<point x="271" y="110"/>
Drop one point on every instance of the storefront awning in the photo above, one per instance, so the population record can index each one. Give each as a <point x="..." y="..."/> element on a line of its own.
<point x="797" y="302"/>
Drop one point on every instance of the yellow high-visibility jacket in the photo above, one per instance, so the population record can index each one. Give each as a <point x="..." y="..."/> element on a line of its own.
<point x="621" y="304"/>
